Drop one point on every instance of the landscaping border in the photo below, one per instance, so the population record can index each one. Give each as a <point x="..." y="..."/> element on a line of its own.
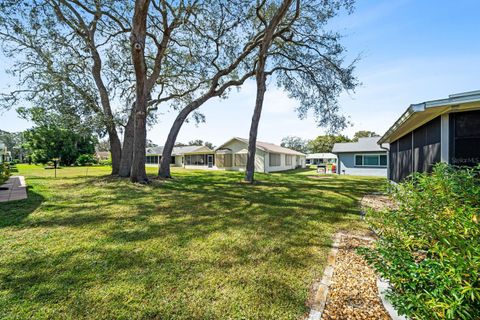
<point x="321" y="288"/>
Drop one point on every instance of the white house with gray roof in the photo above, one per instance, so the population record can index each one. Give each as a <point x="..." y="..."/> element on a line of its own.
<point x="321" y="158"/>
<point x="269" y="157"/>
<point x="362" y="158"/>
<point x="191" y="157"/>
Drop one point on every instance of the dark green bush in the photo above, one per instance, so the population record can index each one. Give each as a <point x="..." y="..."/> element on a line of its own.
<point x="85" y="160"/>
<point x="429" y="248"/>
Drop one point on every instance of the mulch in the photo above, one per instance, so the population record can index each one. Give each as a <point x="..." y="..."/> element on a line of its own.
<point x="377" y="202"/>
<point x="353" y="293"/>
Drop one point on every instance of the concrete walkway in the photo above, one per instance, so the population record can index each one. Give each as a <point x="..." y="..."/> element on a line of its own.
<point x="17" y="189"/>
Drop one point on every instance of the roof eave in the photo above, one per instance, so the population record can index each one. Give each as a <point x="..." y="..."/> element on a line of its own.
<point x="413" y="108"/>
<point x="452" y="101"/>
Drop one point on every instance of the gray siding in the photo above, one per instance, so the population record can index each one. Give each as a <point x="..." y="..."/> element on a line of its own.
<point x="346" y="162"/>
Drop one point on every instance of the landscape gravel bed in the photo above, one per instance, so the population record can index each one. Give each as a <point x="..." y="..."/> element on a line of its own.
<point x="353" y="293"/>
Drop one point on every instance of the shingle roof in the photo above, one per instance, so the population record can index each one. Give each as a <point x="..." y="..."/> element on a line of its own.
<point x="321" y="156"/>
<point x="175" y="151"/>
<point x="363" y="145"/>
<point x="268" y="147"/>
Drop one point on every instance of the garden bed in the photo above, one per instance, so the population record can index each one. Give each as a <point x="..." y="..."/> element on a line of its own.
<point x="353" y="292"/>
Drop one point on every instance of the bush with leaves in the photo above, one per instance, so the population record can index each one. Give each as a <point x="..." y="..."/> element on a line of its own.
<point x="105" y="162"/>
<point x="429" y="247"/>
<point x="4" y="172"/>
<point x="85" y="160"/>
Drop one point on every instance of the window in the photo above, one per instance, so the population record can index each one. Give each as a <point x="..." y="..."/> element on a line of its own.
<point x="274" y="160"/>
<point x="240" y="160"/>
<point x="152" y="159"/>
<point x="359" y="160"/>
<point x="195" y="160"/>
<point x="288" y="160"/>
<point x="224" y="160"/>
<point x="383" y="160"/>
<point x="371" y="160"/>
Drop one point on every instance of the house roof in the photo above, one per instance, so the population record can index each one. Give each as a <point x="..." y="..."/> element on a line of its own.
<point x="321" y="156"/>
<point x="102" y="154"/>
<point x="265" y="146"/>
<point x="362" y="145"/>
<point x="418" y="114"/>
<point x="179" y="150"/>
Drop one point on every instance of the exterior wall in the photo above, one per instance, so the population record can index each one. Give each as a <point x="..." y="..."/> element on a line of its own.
<point x="283" y="166"/>
<point x="346" y="162"/>
<point x="179" y="160"/>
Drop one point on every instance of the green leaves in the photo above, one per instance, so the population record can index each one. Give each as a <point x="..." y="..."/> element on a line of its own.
<point x="430" y="246"/>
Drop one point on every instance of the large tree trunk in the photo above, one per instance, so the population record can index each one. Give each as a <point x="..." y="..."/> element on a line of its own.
<point x="252" y="139"/>
<point x="261" y="79"/>
<point x="127" y="151"/>
<point x="164" y="170"/>
<point x="138" y="173"/>
<point x="137" y="40"/>
<point x="115" y="150"/>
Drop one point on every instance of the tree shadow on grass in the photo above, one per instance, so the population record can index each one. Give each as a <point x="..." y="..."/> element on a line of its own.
<point x="167" y="249"/>
<point x="12" y="213"/>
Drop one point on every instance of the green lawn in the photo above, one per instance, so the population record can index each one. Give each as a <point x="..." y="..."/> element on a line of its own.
<point x="201" y="246"/>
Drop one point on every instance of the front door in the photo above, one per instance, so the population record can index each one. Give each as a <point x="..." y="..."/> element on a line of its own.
<point x="210" y="160"/>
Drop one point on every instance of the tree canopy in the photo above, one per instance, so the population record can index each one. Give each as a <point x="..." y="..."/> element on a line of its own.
<point x="295" y="143"/>
<point x="325" y="143"/>
<point x="364" y="134"/>
<point x="46" y="142"/>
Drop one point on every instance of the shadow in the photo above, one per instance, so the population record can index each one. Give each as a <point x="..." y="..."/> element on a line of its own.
<point x="202" y="245"/>
<point x="13" y="213"/>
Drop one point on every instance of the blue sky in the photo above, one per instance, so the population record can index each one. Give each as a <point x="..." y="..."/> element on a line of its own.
<point x="411" y="51"/>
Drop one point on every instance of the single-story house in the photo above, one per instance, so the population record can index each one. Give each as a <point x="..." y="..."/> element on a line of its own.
<point x="446" y="130"/>
<point x="321" y="158"/>
<point x="362" y="158"/>
<point x="102" y="155"/>
<point x="269" y="157"/>
<point x="193" y="157"/>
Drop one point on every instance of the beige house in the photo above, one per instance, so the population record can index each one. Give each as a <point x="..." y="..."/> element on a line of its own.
<point x="232" y="155"/>
<point x="190" y="157"/>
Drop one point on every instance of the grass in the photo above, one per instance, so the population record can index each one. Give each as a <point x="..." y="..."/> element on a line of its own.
<point x="201" y="246"/>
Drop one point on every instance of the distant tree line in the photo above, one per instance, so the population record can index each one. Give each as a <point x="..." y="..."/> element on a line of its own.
<point x="322" y="144"/>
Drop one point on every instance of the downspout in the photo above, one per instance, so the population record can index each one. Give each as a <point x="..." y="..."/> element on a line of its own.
<point x="264" y="164"/>
<point x="388" y="159"/>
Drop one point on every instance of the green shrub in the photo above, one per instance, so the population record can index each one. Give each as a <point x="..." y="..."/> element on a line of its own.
<point x="106" y="162"/>
<point x="85" y="160"/>
<point x="4" y="172"/>
<point x="429" y="248"/>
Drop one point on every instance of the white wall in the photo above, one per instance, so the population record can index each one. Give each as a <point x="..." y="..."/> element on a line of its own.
<point x="178" y="161"/>
<point x="283" y="166"/>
